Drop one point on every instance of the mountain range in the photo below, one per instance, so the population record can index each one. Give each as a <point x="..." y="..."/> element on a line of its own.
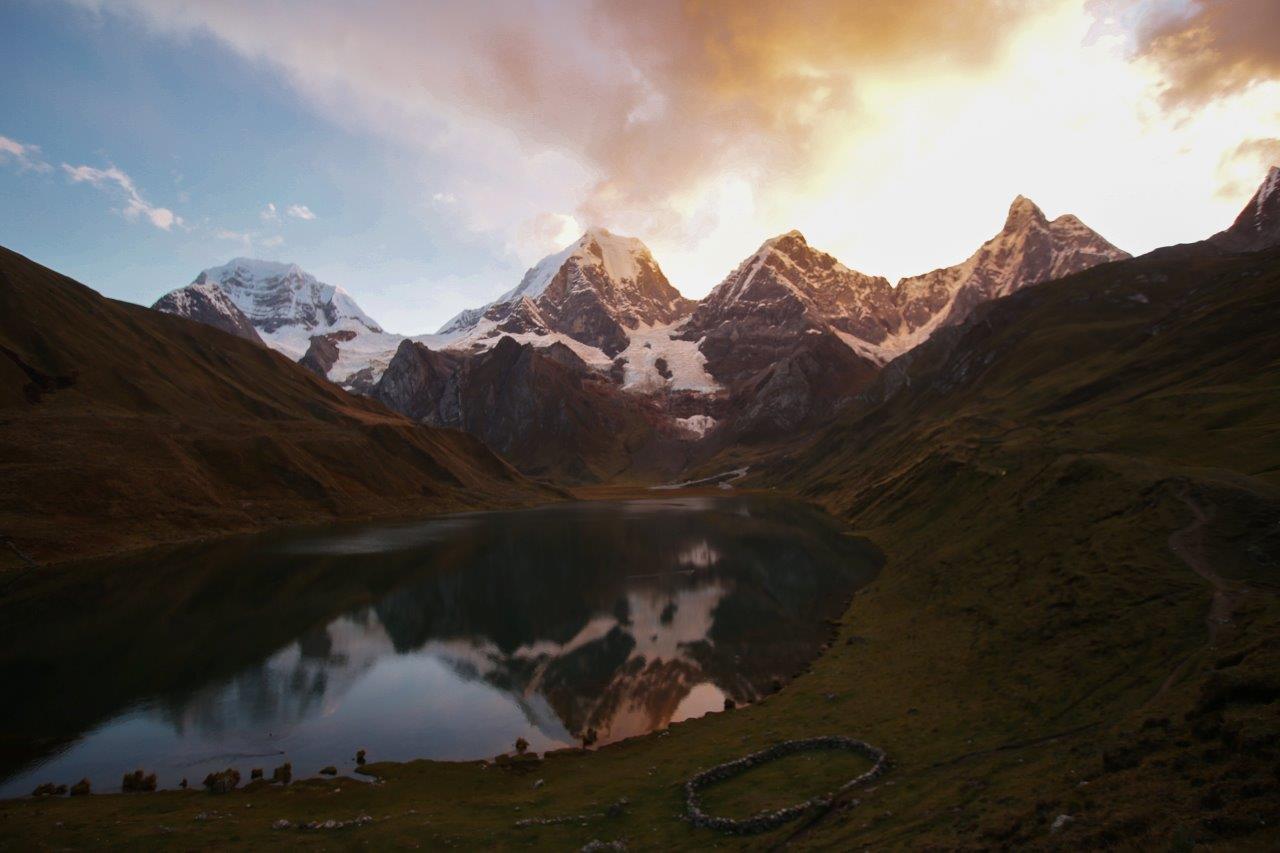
<point x="786" y="339"/>
<point x="1074" y="644"/>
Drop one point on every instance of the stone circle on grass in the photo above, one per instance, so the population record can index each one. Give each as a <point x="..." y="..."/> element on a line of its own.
<point x="766" y="820"/>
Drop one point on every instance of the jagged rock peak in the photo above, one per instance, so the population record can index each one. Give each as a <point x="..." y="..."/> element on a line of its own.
<point x="595" y="290"/>
<point x="1258" y="225"/>
<point x="1022" y="211"/>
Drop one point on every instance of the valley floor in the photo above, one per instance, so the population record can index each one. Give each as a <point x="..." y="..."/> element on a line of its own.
<point x="1074" y="642"/>
<point x="1057" y="663"/>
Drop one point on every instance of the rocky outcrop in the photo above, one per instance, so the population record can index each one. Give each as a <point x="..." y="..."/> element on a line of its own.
<point x="802" y="388"/>
<point x="1258" y="225"/>
<point x="208" y="304"/>
<point x="542" y="408"/>
<point x="416" y="381"/>
<point x="322" y="354"/>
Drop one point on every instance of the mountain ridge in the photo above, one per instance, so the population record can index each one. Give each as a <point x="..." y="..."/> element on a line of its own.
<point x="125" y="427"/>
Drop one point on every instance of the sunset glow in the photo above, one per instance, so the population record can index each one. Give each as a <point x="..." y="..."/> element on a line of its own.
<point x="893" y="135"/>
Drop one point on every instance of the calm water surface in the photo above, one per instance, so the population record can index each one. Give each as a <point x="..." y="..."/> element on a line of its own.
<point x="447" y="638"/>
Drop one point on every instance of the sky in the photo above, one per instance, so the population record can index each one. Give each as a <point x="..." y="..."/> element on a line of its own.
<point x="423" y="155"/>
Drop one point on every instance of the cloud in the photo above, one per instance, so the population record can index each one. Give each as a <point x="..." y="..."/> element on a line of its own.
<point x="249" y="239"/>
<point x="269" y="213"/>
<point x="893" y="133"/>
<point x="228" y="234"/>
<point x="1210" y="48"/>
<point x="444" y="198"/>
<point x="546" y="233"/>
<point x="25" y="156"/>
<point x="1243" y="167"/>
<point x="135" y="205"/>
<point x="606" y="107"/>
<point x="300" y="211"/>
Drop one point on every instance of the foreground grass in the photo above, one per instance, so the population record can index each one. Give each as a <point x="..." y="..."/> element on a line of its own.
<point x="1034" y="647"/>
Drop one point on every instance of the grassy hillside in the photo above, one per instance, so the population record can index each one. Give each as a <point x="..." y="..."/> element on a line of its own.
<point x="121" y="426"/>
<point x="1078" y="495"/>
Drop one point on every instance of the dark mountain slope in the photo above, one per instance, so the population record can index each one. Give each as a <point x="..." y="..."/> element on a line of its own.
<point x="1258" y="225"/>
<point x="121" y="426"/>
<point x="542" y="408"/>
<point x="1078" y="491"/>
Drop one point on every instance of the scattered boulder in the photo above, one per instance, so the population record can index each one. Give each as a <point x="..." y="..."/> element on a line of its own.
<point x="283" y="774"/>
<point x="80" y="788"/>
<point x="538" y="783"/>
<point x="329" y="771"/>
<point x="138" y="782"/>
<point x="48" y="789"/>
<point x="1060" y="822"/>
<point x="282" y="824"/>
<point x="223" y="782"/>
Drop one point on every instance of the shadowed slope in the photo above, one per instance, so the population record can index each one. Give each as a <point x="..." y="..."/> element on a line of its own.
<point x="1054" y="483"/>
<point x="120" y="426"/>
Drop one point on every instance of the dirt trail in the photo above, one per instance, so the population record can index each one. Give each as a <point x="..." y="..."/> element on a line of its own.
<point x="1188" y="544"/>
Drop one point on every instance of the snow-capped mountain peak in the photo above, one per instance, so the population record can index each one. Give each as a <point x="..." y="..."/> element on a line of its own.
<point x="209" y="304"/>
<point x="594" y="291"/>
<point x="1258" y="225"/>
<point x="620" y="258"/>
<point x="284" y="303"/>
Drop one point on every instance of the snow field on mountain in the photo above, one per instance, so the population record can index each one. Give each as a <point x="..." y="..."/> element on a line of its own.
<point x="684" y="360"/>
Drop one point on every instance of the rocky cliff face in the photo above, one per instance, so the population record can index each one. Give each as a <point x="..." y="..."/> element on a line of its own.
<point x="595" y="291"/>
<point x="542" y="408"/>
<point x="795" y="334"/>
<point x="1258" y="225"/>
<point x="1030" y="249"/>
<point x="322" y="353"/>
<point x="209" y="304"/>
<point x="778" y="302"/>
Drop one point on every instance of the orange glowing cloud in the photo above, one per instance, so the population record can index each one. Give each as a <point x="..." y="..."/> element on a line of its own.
<point x="894" y="134"/>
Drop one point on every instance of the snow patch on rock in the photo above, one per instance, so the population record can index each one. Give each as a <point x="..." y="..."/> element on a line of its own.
<point x="683" y="360"/>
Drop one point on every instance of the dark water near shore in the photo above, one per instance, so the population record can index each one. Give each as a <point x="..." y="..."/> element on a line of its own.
<point x="446" y="638"/>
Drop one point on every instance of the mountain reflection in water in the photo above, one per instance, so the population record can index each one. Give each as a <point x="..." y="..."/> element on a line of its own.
<point x="447" y="638"/>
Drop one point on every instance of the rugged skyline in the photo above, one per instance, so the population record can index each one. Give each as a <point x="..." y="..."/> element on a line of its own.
<point x="427" y="154"/>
